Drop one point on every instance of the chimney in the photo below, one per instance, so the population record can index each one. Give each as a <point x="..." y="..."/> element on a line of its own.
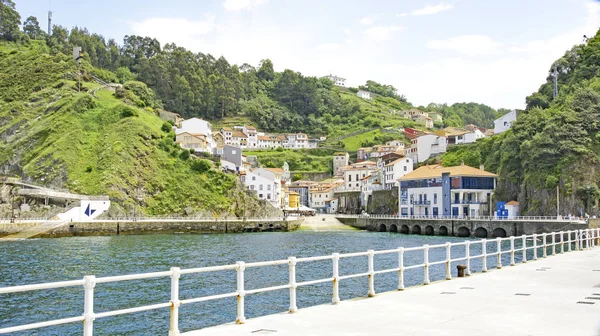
<point x="482" y="167"/>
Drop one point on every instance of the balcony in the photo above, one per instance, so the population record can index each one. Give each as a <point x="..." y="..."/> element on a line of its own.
<point x="420" y="202"/>
<point x="468" y="202"/>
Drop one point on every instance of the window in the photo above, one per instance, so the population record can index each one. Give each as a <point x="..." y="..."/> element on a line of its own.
<point x="405" y="168"/>
<point x="357" y="177"/>
<point x="253" y="178"/>
<point x="349" y="178"/>
<point x="260" y="187"/>
<point x="260" y="195"/>
<point x="268" y="187"/>
<point x="435" y="198"/>
<point x="268" y="196"/>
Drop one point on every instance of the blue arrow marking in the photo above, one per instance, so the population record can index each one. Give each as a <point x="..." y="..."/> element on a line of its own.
<point x="89" y="211"/>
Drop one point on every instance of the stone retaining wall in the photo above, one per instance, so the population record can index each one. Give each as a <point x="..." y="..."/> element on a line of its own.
<point x="131" y="228"/>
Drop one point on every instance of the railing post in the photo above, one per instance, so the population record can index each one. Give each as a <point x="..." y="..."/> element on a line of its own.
<point x="562" y="242"/>
<point x="448" y="261"/>
<point x="88" y="305"/>
<point x="468" y="257"/>
<point x="484" y="255"/>
<point x="371" y="261"/>
<point x="553" y="243"/>
<point x="499" y="252"/>
<point x="524" y="238"/>
<point x="336" y="279"/>
<point x="570" y="240"/>
<point x="545" y="242"/>
<point x="512" y="251"/>
<point x="535" y="247"/>
<point x="577" y="240"/>
<point x="175" y="303"/>
<point x="426" y="264"/>
<point x="292" y="263"/>
<point x="401" y="268"/>
<point x="241" y="266"/>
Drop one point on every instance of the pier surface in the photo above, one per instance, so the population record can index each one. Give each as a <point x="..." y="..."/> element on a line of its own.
<point x="559" y="295"/>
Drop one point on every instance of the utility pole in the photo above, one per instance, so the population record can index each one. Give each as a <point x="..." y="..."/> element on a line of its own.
<point x="557" y="202"/>
<point x="50" y="19"/>
<point x="77" y="56"/>
<point x="588" y="188"/>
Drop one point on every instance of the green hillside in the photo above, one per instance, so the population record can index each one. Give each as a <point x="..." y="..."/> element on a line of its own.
<point x="94" y="143"/>
<point x="555" y="141"/>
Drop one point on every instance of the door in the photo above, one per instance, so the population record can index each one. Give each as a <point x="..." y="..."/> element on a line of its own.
<point x="426" y="211"/>
<point x="465" y="211"/>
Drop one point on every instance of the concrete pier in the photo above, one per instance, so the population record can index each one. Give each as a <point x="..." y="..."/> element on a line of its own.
<point x="554" y="296"/>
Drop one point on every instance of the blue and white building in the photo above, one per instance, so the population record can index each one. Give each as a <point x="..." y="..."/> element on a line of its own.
<point x="436" y="191"/>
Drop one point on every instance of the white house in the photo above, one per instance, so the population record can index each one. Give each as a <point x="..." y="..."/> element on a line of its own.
<point x="426" y="146"/>
<point x="322" y="198"/>
<point x="266" y="182"/>
<point x="395" y="170"/>
<point x="504" y="123"/>
<point x="364" y="94"/>
<point x="197" y="126"/>
<point x="340" y="160"/>
<point x="435" y="190"/>
<point x="355" y="172"/>
<point x="339" y="81"/>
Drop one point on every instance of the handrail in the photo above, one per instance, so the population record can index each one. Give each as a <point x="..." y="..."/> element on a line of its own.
<point x="153" y="219"/>
<point x="548" y="242"/>
<point x="470" y="218"/>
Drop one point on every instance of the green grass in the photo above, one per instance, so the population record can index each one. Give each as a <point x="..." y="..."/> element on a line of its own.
<point x="59" y="137"/>
<point x="306" y="160"/>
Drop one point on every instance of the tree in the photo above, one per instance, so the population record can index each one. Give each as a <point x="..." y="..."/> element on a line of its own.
<point x="31" y="27"/>
<point x="9" y="21"/>
<point x="265" y="71"/>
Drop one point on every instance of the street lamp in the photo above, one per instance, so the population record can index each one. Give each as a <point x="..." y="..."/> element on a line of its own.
<point x="588" y="188"/>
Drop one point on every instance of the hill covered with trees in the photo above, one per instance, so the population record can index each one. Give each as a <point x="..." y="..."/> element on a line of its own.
<point x="554" y="143"/>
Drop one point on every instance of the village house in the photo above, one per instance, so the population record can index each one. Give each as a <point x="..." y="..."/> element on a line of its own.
<point x="364" y="94"/>
<point x="197" y="142"/>
<point x="424" y="120"/>
<point x="505" y="122"/>
<point x="457" y="136"/>
<point x="173" y="117"/>
<point x="395" y="170"/>
<point x="322" y="196"/>
<point x="198" y="127"/>
<point x="232" y="159"/>
<point x="436" y="117"/>
<point x="340" y="160"/>
<point x="266" y="183"/>
<point x="339" y="81"/>
<point x="355" y="172"/>
<point x="370" y="183"/>
<point x="425" y="146"/>
<point x="459" y="191"/>
<point x="362" y="154"/>
<point x="303" y="189"/>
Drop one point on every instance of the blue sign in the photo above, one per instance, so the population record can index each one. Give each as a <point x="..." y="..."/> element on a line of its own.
<point x="501" y="211"/>
<point x="89" y="211"/>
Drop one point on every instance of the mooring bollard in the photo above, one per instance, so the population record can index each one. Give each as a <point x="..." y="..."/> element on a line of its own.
<point x="461" y="270"/>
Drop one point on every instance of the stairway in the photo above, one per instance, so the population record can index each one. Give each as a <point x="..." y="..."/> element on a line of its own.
<point x="34" y="231"/>
<point x="324" y="223"/>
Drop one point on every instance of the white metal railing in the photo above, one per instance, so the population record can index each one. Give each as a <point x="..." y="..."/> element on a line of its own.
<point x="574" y="240"/>
<point x="477" y="218"/>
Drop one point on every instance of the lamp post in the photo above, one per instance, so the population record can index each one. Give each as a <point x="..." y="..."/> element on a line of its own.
<point x="588" y="188"/>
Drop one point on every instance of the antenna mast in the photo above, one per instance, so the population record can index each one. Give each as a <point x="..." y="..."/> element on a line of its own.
<point x="50" y="18"/>
<point x="555" y="80"/>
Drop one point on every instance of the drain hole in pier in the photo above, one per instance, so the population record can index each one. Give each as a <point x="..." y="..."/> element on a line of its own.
<point x="585" y="302"/>
<point x="522" y="294"/>
<point x="448" y="293"/>
<point x="592" y="297"/>
<point x="263" y="331"/>
<point x="467" y="287"/>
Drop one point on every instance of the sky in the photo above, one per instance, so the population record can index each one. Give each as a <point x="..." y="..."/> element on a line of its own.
<point x="442" y="51"/>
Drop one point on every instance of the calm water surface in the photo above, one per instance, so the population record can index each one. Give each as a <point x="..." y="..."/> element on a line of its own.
<point x="46" y="260"/>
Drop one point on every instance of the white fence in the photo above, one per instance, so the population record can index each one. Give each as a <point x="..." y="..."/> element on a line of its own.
<point x="480" y="218"/>
<point x="565" y="240"/>
<point x="154" y="219"/>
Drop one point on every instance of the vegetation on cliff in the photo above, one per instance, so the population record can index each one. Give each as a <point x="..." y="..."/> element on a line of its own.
<point x="555" y="141"/>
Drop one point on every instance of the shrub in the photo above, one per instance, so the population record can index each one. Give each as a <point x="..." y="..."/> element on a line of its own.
<point x="184" y="155"/>
<point x="166" y="127"/>
<point x="280" y="149"/>
<point x="128" y="111"/>
<point x="201" y="166"/>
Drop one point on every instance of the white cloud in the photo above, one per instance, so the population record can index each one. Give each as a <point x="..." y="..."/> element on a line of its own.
<point x="429" y="10"/>
<point x="329" y="47"/>
<point x="237" y="5"/>
<point x="467" y="44"/>
<point x="381" y="33"/>
<point x="367" y="21"/>
<point x="170" y="29"/>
